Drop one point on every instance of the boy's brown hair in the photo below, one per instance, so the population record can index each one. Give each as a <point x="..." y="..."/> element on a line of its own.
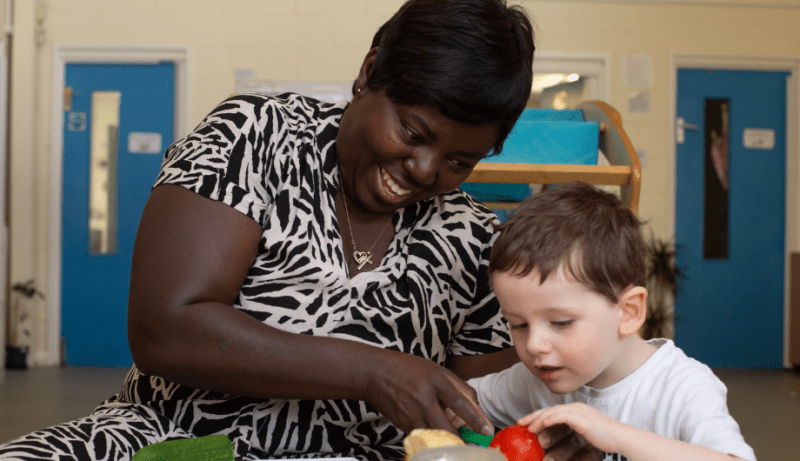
<point x="597" y="240"/>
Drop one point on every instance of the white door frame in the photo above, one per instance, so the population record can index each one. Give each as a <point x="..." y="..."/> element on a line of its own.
<point x="778" y="64"/>
<point x="4" y="250"/>
<point x="95" y="54"/>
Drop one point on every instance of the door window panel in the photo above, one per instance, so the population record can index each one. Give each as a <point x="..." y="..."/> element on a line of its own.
<point x="103" y="173"/>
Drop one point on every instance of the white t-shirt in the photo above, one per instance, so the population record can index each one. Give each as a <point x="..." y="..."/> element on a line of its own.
<point x="671" y="395"/>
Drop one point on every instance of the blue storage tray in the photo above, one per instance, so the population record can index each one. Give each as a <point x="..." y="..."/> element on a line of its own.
<point x="540" y="136"/>
<point x="551" y="115"/>
<point x="573" y="143"/>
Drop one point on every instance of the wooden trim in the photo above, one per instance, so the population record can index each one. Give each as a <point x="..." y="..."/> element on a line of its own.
<point x="617" y="147"/>
<point x="531" y="173"/>
<point x="794" y="309"/>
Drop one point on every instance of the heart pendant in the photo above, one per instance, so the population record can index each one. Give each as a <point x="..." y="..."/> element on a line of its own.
<point x="362" y="258"/>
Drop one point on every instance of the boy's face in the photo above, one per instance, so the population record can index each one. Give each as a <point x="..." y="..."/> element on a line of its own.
<point x="567" y="335"/>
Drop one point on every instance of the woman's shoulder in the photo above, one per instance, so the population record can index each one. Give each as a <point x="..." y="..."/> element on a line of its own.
<point x="291" y="108"/>
<point x="459" y="206"/>
<point x="456" y="216"/>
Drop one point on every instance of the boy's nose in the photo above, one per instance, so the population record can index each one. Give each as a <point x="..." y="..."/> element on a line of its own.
<point x="538" y="344"/>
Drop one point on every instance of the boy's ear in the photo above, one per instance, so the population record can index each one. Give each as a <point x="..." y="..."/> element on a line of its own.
<point x="633" y="303"/>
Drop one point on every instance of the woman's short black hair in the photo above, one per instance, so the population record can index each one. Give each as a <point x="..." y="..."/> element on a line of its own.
<point x="470" y="59"/>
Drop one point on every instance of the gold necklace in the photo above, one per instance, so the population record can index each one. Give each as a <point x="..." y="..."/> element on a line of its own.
<point x="361" y="257"/>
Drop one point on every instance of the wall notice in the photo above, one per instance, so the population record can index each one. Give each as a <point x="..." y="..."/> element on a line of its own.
<point x="759" y="138"/>
<point x="144" y="143"/>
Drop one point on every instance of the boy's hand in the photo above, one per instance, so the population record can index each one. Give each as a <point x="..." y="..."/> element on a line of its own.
<point x="596" y="428"/>
<point x="561" y="443"/>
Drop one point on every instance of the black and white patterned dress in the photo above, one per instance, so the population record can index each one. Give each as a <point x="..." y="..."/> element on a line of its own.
<point x="273" y="158"/>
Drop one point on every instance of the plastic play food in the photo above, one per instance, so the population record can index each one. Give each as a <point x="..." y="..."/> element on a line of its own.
<point x="422" y="439"/>
<point x="463" y="453"/>
<point x="517" y="443"/>
<point x="473" y="437"/>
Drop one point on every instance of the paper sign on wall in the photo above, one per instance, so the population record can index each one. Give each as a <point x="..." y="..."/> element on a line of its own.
<point x="144" y="143"/>
<point x="759" y="138"/>
<point x="76" y="121"/>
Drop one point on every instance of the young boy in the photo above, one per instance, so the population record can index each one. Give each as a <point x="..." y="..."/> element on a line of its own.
<point x="569" y="271"/>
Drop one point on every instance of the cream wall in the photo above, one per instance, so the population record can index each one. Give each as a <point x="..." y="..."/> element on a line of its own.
<point x="326" y="40"/>
<point x="660" y="30"/>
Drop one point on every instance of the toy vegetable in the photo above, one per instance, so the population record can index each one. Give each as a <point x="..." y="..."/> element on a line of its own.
<point x="516" y="443"/>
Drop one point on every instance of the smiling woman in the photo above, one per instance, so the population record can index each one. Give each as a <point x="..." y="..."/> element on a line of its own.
<point x="392" y="156"/>
<point x="422" y="152"/>
<point x="248" y="316"/>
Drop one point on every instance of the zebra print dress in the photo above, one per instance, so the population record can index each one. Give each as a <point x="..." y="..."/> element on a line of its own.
<point x="273" y="158"/>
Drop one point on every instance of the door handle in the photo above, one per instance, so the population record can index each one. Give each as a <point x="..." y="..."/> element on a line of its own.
<point x="680" y="129"/>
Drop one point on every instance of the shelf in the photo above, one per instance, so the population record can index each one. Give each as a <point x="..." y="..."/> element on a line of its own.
<point x="625" y="170"/>
<point x="531" y="173"/>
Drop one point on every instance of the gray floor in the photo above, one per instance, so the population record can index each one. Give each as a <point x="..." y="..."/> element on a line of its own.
<point x="39" y="397"/>
<point x="765" y="402"/>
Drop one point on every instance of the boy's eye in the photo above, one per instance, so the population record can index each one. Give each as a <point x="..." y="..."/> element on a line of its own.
<point x="518" y="326"/>
<point x="561" y="323"/>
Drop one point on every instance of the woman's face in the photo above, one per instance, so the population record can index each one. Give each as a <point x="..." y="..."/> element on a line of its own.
<point x="392" y="155"/>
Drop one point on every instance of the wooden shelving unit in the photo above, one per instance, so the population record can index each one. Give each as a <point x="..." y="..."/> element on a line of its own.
<point x="625" y="170"/>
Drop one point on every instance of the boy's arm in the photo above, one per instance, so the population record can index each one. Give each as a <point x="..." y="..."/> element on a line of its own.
<point x="612" y="436"/>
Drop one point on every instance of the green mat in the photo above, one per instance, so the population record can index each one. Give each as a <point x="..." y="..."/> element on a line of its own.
<point x="210" y="448"/>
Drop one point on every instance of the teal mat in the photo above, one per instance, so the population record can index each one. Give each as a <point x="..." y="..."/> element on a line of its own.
<point x="543" y="136"/>
<point x="552" y="115"/>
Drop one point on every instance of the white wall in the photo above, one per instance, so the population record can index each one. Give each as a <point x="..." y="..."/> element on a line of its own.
<point x="659" y="30"/>
<point x="325" y="40"/>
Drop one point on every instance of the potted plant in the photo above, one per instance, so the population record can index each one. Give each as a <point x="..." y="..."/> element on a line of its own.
<point x="661" y="283"/>
<point x="19" y="332"/>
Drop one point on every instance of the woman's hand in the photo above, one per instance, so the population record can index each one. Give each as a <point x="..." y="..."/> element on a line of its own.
<point x="573" y="432"/>
<point x="415" y="393"/>
<point x="560" y="442"/>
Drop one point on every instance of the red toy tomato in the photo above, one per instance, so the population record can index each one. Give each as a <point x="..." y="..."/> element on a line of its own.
<point x="517" y="444"/>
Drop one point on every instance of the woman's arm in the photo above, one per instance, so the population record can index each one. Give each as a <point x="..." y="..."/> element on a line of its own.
<point x="191" y="257"/>
<point x="473" y="366"/>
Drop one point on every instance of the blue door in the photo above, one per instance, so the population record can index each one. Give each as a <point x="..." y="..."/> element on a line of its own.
<point x="118" y="122"/>
<point x="730" y="217"/>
